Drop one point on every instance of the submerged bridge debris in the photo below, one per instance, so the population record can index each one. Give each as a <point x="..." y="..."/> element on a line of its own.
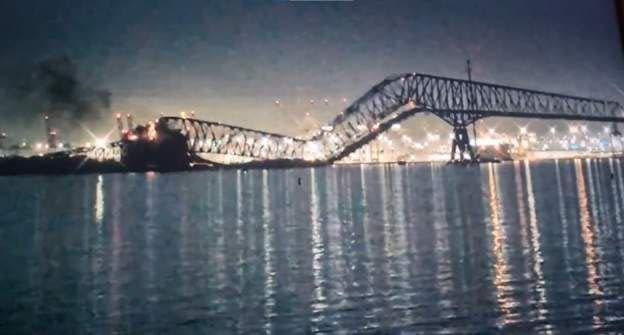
<point x="175" y="143"/>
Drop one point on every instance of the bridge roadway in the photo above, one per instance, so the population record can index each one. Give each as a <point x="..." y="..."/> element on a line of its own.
<point x="395" y="99"/>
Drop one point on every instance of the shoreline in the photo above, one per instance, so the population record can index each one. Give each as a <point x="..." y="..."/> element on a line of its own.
<point x="81" y="164"/>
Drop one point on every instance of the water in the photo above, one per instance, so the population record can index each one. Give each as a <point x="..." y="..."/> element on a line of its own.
<point x="517" y="247"/>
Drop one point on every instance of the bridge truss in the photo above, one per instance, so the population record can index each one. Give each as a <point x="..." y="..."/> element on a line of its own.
<point x="395" y="99"/>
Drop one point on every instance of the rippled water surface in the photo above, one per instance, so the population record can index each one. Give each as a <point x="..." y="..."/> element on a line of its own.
<point x="513" y="248"/>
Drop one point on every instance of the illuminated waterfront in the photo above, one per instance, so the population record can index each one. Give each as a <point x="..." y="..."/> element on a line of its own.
<point x="524" y="247"/>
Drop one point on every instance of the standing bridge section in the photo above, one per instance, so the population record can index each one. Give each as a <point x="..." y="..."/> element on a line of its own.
<point x="458" y="102"/>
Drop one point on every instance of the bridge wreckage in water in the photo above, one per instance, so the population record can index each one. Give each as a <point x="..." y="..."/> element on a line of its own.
<point x="178" y="143"/>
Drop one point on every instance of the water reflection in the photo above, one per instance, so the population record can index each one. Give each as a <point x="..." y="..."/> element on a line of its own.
<point x="99" y="201"/>
<point x="521" y="248"/>
<point x="499" y="241"/>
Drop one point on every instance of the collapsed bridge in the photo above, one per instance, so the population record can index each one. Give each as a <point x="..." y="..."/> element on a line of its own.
<point x="458" y="102"/>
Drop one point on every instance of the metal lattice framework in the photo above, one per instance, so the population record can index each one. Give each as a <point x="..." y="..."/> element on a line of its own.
<point x="458" y="102"/>
<point x="204" y="137"/>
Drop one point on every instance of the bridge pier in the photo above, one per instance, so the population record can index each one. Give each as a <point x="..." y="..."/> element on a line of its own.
<point x="461" y="143"/>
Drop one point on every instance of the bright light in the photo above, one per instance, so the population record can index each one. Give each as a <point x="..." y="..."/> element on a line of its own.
<point x="523" y="130"/>
<point x="432" y="137"/>
<point x="277" y="102"/>
<point x="151" y="131"/>
<point x="553" y="130"/>
<point x="584" y="128"/>
<point x="100" y="142"/>
<point x="327" y="128"/>
<point x="491" y="131"/>
<point x="573" y="130"/>
<point x="606" y="130"/>
<point x="313" y="151"/>
<point x="39" y="146"/>
<point x="396" y="127"/>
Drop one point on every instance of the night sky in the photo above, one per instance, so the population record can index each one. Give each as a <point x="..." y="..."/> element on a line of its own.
<point x="230" y="60"/>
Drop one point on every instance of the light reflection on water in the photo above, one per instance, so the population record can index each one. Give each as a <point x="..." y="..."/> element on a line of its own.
<point x="519" y="247"/>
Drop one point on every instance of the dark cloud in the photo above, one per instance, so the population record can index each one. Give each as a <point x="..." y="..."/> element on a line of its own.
<point x="54" y="84"/>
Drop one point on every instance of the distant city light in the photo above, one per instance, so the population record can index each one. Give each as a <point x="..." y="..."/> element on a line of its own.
<point x="100" y="142"/>
<point x="433" y="137"/>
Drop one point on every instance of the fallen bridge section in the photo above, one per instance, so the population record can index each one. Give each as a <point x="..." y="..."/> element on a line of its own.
<point x="458" y="102"/>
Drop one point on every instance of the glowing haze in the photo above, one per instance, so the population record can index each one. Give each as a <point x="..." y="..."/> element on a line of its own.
<point x="260" y="63"/>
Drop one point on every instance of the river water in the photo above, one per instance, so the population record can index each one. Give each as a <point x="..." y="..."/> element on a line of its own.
<point x="514" y="248"/>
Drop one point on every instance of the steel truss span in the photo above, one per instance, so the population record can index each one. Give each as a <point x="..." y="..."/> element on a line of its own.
<point x="458" y="102"/>
<point x="205" y="137"/>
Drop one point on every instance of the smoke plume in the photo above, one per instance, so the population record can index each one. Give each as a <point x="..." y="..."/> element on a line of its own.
<point x="56" y="86"/>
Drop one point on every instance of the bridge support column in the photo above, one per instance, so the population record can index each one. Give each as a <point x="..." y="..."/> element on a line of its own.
<point x="460" y="141"/>
<point x="461" y="144"/>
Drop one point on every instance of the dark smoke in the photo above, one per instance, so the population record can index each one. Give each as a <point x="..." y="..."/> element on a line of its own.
<point x="55" y="86"/>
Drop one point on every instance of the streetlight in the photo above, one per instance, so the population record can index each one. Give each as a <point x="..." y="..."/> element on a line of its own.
<point x="553" y="130"/>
